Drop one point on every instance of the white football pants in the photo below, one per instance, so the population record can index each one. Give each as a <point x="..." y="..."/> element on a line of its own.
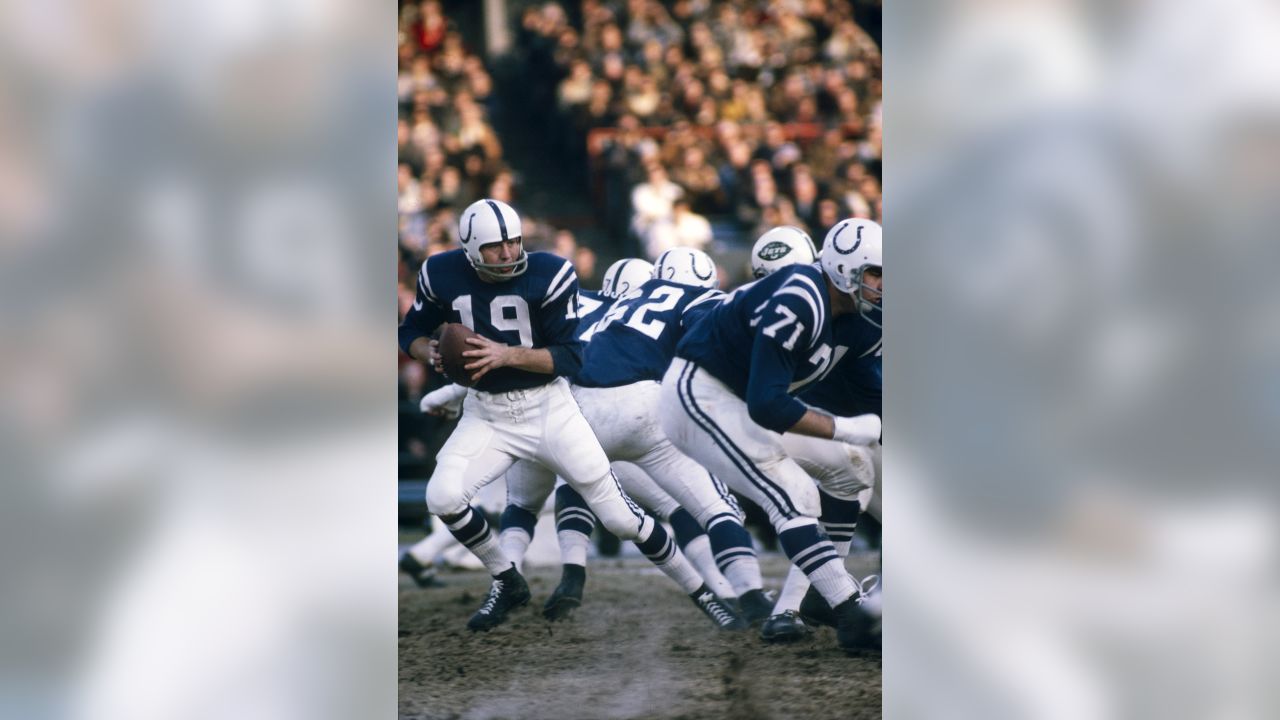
<point x="625" y="420"/>
<point x="703" y="417"/>
<point x="542" y="424"/>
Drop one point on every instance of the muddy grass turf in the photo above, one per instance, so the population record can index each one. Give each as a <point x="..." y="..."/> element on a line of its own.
<point x="637" y="648"/>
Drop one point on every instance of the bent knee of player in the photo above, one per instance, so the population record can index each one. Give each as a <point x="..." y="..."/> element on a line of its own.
<point x="444" y="501"/>
<point x="619" y="519"/>
<point x="801" y="489"/>
<point x="445" y="494"/>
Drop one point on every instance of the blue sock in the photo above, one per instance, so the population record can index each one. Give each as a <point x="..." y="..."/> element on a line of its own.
<point x="685" y="527"/>
<point x="572" y="512"/>
<point x="517" y="517"/>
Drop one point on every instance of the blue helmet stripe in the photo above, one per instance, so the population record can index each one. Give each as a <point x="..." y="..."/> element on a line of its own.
<point x="502" y="224"/>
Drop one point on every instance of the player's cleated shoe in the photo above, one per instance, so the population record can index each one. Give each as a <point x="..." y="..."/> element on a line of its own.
<point x="855" y="628"/>
<point x="508" y="592"/>
<point x="784" y="627"/>
<point x="755" y="606"/>
<point x="718" y="610"/>
<point x="567" y="595"/>
<point x="815" y="611"/>
<point x="423" y="575"/>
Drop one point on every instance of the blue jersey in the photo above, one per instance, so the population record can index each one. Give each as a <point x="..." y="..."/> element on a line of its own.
<point x="535" y="309"/>
<point x="591" y="307"/>
<point x="768" y="340"/>
<point x="855" y="384"/>
<point x="636" y="338"/>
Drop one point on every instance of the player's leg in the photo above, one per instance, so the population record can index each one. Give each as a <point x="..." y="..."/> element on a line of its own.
<point x="419" y="561"/>
<point x="708" y="422"/>
<point x="626" y="422"/>
<point x="568" y="446"/>
<point x="475" y="455"/>
<point x="844" y="473"/>
<point x="690" y="536"/>
<point x="714" y="509"/>
<point x="528" y="487"/>
<point x="574" y="525"/>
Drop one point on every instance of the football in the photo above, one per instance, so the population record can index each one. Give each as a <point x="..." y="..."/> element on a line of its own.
<point x="453" y="342"/>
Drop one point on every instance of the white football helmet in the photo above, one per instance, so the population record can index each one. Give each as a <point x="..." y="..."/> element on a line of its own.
<point x="687" y="266"/>
<point x="782" y="246"/>
<point x="852" y="246"/>
<point x="491" y="221"/>
<point x="624" y="275"/>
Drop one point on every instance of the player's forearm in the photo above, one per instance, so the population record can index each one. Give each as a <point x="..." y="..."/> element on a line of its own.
<point x="418" y="350"/>
<point x="814" y="424"/>
<point x="537" y="360"/>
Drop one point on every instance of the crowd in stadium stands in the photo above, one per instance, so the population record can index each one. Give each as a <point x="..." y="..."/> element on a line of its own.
<point x="744" y="114"/>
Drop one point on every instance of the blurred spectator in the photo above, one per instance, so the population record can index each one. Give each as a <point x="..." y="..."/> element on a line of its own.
<point x="654" y="202"/>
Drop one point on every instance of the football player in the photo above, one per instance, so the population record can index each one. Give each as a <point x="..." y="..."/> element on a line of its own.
<point x="845" y="473"/>
<point x="522" y="305"/>
<point x="729" y="395"/>
<point x="618" y="391"/>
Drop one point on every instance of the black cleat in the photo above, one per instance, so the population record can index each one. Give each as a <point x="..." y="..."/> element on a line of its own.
<point x="423" y="575"/>
<point x="508" y="592"/>
<point x="815" y="611"/>
<point x="567" y="595"/>
<point x="718" y="610"/>
<point x="784" y="627"/>
<point x="855" y="629"/>
<point x="755" y="606"/>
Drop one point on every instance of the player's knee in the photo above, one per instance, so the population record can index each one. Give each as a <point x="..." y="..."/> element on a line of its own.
<point x="806" y="499"/>
<point x="620" y="520"/>
<point x="445" y="498"/>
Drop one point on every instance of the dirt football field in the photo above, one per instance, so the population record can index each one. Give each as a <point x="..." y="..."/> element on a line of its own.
<point x="637" y="648"/>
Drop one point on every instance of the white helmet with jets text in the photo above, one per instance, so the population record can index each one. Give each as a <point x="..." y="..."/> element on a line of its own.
<point x="851" y="248"/>
<point x="780" y="247"/>
<point x="625" y="275"/>
<point x="491" y="221"/>
<point x="687" y="266"/>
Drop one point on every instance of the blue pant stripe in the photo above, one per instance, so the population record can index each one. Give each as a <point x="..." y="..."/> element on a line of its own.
<point x="775" y="494"/>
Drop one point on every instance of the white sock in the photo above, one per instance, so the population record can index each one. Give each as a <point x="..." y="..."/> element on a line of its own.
<point x="487" y="548"/>
<point x="793" y="590"/>
<point x="744" y="573"/>
<point x="573" y="547"/>
<point x="668" y="557"/>
<point x="679" y="569"/>
<point x="515" y="543"/>
<point x="833" y="581"/>
<point x="698" y="550"/>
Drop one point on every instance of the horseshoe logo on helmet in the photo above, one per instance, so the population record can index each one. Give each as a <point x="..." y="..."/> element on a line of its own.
<point x="835" y="240"/>
<point x="467" y="237"/>
<point x="693" y="263"/>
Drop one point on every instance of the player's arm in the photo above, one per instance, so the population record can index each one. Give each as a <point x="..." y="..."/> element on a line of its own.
<point x="558" y="320"/>
<point x="782" y="326"/>
<point x="773" y="408"/>
<point x="421" y="322"/>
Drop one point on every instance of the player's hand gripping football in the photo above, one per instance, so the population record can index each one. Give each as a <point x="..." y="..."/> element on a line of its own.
<point x="487" y="355"/>
<point x="433" y="356"/>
